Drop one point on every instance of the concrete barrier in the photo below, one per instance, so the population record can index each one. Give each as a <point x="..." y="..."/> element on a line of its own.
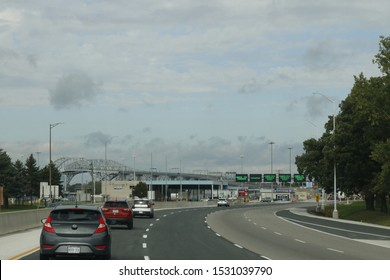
<point x="22" y="220"/>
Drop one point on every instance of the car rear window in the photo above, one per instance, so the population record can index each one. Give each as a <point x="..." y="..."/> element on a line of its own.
<point x="144" y="202"/>
<point x="116" y="204"/>
<point x="73" y="215"/>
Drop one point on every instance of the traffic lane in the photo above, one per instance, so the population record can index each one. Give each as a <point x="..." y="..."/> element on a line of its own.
<point x="341" y="228"/>
<point x="265" y="238"/>
<point x="260" y="230"/>
<point x="183" y="234"/>
<point x="126" y="244"/>
<point x="312" y="239"/>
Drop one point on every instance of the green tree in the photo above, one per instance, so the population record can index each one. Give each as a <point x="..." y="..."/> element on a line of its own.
<point x="7" y="171"/>
<point x="362" y="131"/>
<point x="18" y="186"/>
<point x="140" y="190"/>
<point x="32" y="177"/>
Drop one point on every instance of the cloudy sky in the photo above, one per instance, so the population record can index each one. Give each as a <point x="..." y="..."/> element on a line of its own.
<point x="196" y="83"/>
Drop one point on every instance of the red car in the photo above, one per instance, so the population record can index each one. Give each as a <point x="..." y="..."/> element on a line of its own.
<point x="118" y="212"/>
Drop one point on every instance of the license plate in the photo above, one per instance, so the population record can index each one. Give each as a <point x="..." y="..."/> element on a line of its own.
<point x="73" y="250"/>
<point x="115" y="211"/>
<point x="141" y="212"/>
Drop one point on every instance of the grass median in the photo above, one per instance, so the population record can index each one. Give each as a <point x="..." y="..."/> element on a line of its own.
<point x="356" y="211"/>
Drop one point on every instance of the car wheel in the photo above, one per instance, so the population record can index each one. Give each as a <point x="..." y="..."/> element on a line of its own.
<point x="43" y="257"/>
<point x="130" y="224"/>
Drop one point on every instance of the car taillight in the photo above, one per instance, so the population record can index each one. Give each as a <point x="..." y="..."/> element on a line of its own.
<point x="104" y="209"/>
<point x="101" y="227"/>
<point x="47" y="226"/>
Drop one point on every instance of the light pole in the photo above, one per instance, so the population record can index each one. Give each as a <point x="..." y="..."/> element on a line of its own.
<point x="335" y="212"/>
<point x="272" y="168"/>
<point x="289" y="188"/>
<point x="134" y="156"/>
<point x="52" y="125"/>
<point x="242" y="169"/>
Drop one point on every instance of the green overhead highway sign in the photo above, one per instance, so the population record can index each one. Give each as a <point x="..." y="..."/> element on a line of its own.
<point x="241" y="177"/>
<point x="284" y="177"/>
<point x="269" y="178"/>
<point x="299" y="178"/>
<point x="255" y="177"/>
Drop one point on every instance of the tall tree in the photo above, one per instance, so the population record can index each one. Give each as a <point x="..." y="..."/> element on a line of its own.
<point x="32" y="177"/>
<point x="7" y="171"/>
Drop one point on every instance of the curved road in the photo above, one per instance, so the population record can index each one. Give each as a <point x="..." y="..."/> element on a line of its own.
<point x="265" y="231"/>
<point x="275" y="233"/>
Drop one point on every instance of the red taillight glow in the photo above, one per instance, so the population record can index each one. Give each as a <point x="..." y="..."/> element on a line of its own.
<point x="102" y="226"/>
<point x="104" y="209"/>
<point x="101" y="247"/>
<point x="45" y="246"/>
<point x="47" y="226"/>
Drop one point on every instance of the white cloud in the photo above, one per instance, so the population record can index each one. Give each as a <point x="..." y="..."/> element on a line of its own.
<point x="178" y="68"/>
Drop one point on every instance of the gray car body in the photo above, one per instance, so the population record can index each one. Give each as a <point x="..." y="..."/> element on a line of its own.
<point x="78" y="234"/>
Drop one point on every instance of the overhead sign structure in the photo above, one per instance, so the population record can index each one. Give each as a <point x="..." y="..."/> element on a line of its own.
<point x="241" y="177"/>
<point x="299" y="178"/>
<point x="269" y="178"/>
<point x="255" y="177"/>
<point x="284" y="177"/>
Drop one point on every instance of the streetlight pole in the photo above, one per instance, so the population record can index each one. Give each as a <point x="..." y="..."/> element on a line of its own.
<point x="52" y="125"/>
<point x="289" y="189"/>
<point x="335" y="212"/>
<point x="272" y="168"/>
<point x="242" y="170"/>
<point x="134" y="156"/>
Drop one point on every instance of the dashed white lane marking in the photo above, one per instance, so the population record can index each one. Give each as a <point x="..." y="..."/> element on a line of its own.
<point x="157" y="219"/>
<point x="144" y="245"/>
<point x="217" y="234"/>
<point x="334" y="250"/>
<point x="238" y="246"/>
<point x="147" y="229"/>
<point x="144" y="236"/>
<point x="165" y="215"/>
<point x="146" y="258"/>
<point x="301" y="241"/>
<point x="255" y="224"/>
<point x="151" y="225"/>
<point x="264" y="228"/>
<point x="277" y="233"/>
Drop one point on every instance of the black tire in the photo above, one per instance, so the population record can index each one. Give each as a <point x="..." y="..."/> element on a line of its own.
<point x="43" y="257"/>
<point x="130" y="224"/>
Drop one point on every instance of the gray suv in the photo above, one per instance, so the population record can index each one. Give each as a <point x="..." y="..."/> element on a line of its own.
<point x="143" y="207"/>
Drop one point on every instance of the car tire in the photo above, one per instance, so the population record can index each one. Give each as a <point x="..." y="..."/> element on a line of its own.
<point x="43" y="257"/>
<point x="130" y="224"/>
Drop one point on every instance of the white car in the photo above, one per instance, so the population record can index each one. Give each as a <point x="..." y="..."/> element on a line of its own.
<point x="223" y="202"/>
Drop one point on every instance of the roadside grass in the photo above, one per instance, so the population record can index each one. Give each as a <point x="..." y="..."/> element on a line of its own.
<point x="356" y="211"/>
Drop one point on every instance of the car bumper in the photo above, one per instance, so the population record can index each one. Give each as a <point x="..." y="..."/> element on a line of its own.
<point x="99" y="245"/>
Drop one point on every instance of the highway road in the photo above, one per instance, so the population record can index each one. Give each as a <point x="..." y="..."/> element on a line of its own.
<point x="279" y="234"/>
<point x="250" y="232"/>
